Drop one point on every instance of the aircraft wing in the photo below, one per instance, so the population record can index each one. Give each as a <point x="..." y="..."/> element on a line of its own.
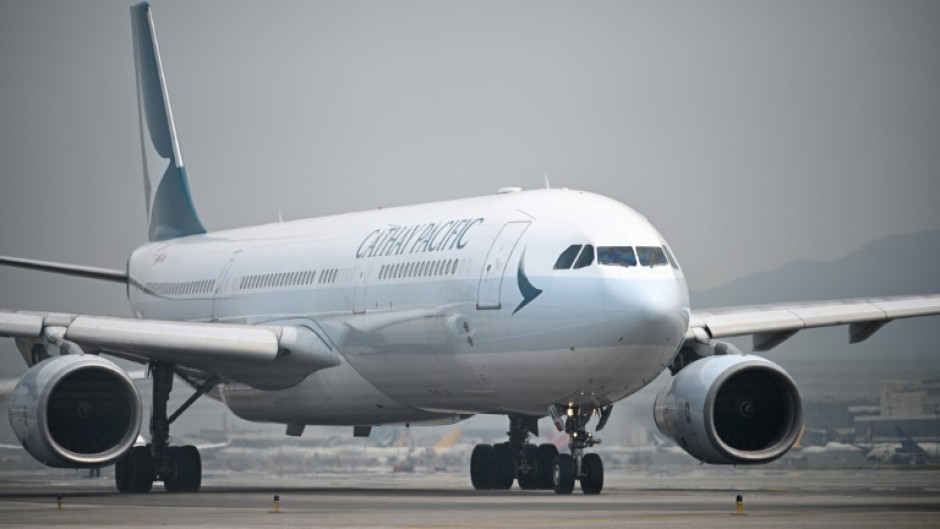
<point x="266" y="357"/>
<point x="771" y="325"/>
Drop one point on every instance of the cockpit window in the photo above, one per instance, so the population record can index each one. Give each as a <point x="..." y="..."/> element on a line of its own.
<point x="586" y="258"/>
<point x="566" y="259"/>
<point x="651" y="256"/>
<point x="672" y="260"/>
<point x="616" y="256"/>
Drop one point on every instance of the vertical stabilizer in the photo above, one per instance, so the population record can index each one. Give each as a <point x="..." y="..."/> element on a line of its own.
<point x="170" y="208"/>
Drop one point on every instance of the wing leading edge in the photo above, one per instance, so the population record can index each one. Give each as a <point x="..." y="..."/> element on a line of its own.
<point x="771" y="325"/>
<point x="90" y="272"/>
<point x="265" y="357"/>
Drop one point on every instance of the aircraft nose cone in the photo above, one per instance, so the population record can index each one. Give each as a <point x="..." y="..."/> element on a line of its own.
<point x="651" y="311"/>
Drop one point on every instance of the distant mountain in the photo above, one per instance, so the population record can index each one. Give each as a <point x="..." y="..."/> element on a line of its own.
<point x="893" y="266"/>
<point x="822" y="358"/>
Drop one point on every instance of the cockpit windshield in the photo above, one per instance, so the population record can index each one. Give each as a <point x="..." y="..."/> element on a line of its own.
<point x="651" y="256"/>
<point x="586" y="258"/>
<point x="567" y="257"/>
<point x="581" y="256"/>
<point x="616" y="256"/>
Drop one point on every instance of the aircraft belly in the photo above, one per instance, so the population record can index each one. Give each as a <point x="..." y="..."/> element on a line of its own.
<point x="335" y="396"/>
<point x="423" y="362"/>
<point x="457" y="364"/>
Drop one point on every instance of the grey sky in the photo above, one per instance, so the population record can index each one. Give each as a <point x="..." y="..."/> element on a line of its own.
<point x="750" y="133"/>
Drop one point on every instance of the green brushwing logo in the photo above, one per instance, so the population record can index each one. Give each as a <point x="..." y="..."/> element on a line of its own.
<point x="526" y="288"/>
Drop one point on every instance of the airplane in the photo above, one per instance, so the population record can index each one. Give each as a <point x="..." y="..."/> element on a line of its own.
<point x="906" y="451"/>
<point x="547" y="302"/>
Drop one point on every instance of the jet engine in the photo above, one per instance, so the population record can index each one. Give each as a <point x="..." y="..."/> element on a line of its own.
<point x="74" y="411"/>
<point x="731" y="409"/>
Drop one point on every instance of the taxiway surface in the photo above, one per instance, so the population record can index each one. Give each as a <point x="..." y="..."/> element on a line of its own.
<point x="702" y="498"/>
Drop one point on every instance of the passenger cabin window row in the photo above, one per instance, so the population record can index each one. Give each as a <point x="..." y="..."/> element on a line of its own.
<point x="183" y="288"/>
<point x="282" y="279"/>
<point x="579" y="256"/>
<point x="329" y="275"/>
<point x="287" y="279"/>
<point x="419" y="269"/>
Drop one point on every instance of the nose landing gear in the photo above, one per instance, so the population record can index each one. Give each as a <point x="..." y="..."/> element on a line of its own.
<point x="586" y="468"/>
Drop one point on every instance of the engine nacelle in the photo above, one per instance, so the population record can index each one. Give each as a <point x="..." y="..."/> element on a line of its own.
<point x="731" y="409"/>
<point x="75" y="411"/>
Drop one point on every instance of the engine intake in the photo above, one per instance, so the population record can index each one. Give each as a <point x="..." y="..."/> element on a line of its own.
<point x="731" y="409"/>
<point x="76" y="411"/>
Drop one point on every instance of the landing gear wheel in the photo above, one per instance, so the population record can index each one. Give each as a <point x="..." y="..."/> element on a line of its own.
<point x="592" y="480"/>
<point x="502" y="467"/>
<point x="563" y="474"/>
<point x="544" y="459"/>
<point x="529" y="478"/>
<point x="480" y="467"/>
<point x="134" y="472"/>
<point x="187" y="469"/>
<point x="122" y="475"/>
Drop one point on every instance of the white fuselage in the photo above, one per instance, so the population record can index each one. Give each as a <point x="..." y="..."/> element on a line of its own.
<point x="439" y="310"/>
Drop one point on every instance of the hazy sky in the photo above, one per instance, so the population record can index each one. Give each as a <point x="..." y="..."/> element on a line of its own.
<point x="750" y="133"/>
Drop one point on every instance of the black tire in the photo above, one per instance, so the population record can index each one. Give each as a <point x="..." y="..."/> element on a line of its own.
<point x="530" y="479"/>
<point x="122" y="474"/>
<point x="136" y="470"/>
<point x="563" y="470"/>
<point x="172" y="481"/>
<point x="187" y="469"/>
<point x="592" y="479"/>
<point x="502" y="467"/>
<point x="480" y="467"/>
<point x="192" y="465"/>
<point x="545" y="458"/>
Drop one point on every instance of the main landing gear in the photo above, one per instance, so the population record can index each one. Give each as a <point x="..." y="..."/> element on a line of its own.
<point x="178" y="467"/>
<point x="495" y="467"/>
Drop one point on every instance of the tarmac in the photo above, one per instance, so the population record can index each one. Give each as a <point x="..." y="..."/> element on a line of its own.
<point x="702" y="498"/>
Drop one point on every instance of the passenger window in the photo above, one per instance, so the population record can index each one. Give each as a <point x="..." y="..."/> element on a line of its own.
<point x="616" y="256"/>
<point x="567" y="257"/>
<point x="651" y="256"/>
<point x="586" y="258"/>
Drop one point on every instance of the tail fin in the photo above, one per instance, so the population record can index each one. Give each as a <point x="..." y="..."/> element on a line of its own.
<point x="170" y="208"/>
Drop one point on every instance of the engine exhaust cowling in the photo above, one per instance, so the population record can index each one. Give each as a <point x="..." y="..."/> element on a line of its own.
<point x="731" y="409"/>
<point x="75" y="411"/>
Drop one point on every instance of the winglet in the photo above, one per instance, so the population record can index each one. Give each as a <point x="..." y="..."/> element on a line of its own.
<point x="170" y="208"/>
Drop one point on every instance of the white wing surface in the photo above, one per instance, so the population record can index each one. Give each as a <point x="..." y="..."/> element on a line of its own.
<point x="266" y="357"/>
<point x="771" y="325"/>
